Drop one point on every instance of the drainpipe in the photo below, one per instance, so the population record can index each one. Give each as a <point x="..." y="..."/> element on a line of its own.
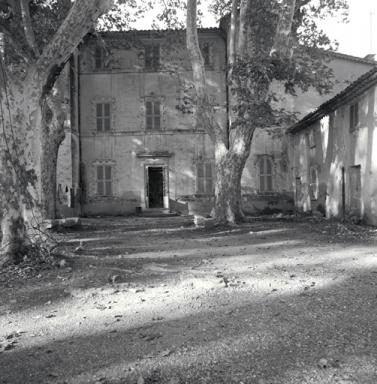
<point x="343" y="194"/>
<point x="78" y="100"/>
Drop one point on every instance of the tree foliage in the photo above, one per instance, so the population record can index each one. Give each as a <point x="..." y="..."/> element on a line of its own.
<point x="269" y="42"/>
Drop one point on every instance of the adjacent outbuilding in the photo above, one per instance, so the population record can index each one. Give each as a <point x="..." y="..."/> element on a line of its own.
<point x="333" y="154"/>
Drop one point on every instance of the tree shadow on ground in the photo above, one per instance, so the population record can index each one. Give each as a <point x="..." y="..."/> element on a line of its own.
<point x="152" y="259"/>
<point x="279" y="339"/>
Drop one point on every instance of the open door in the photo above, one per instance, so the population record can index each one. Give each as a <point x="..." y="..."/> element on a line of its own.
<point x="155" y="187"/>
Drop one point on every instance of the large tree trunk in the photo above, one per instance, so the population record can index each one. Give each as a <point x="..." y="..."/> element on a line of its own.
<point x="28" y="147"/>
<point x="51" y="138"/>
<point x="227" y="206"/>
<point x="14" y="240"/>
<point x="16" y="167"/>
<point x="229" y="165"/>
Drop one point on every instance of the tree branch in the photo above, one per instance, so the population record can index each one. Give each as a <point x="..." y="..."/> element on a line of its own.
<point x="28" y="28"/>
<point x="205" y="110"/>
<point x="75" y="26"/>
<point x="232" y="33"/>
<point x="14" y="43"/>
<point x="282" y="44"/>
<point x="242" y="38"/>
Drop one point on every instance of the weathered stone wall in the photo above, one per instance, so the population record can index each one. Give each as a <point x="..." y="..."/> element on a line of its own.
<point x="335" y="148"/>
<point x="181" y="143"/>
<point x="273" y="143"/>
<point x="129" y="147"/>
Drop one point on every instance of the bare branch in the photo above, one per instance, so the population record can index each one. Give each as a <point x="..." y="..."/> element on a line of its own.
<point x="28" y="28"/>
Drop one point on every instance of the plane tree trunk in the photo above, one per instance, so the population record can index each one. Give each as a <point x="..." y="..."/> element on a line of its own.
<point x="248" y="101"/>
<point x="31" y="131"/>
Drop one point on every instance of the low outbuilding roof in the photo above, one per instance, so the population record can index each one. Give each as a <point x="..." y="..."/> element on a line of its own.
<point x="355" y="89"/>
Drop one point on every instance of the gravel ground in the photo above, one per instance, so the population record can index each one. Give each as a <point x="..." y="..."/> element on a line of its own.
<point x="142" y="300"/>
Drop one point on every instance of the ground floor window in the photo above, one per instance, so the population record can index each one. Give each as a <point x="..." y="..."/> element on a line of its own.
<point x="265" y="174"/>
<point x="313" y="185"/>
<point x="104" y="180"/>
<point x="204" y="178"/>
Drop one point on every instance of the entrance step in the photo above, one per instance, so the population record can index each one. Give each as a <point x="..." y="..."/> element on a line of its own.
<point x="157" y="212"/>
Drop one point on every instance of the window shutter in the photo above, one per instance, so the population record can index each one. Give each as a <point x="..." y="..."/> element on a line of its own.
<point x="157" y="115"/>
<point x="100" y="172"/>
<point x="156" y="56"/>
<point x="108" y="172"/>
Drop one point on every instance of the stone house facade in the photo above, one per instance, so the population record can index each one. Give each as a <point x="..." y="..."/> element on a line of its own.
<point x="334" y="154"/>
<point x="134" y="141"/>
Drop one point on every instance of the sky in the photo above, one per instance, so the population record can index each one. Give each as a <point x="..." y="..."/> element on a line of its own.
<point x="359" y="36"/>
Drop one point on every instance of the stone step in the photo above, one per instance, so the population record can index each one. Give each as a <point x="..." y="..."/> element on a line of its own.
<point x="157" y="212"/>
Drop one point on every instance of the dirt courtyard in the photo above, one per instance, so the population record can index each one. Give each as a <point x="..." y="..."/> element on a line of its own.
<point x="156" y="300"/>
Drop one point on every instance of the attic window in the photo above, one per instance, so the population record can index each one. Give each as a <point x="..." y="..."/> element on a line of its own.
<point x="99" y="58"/>
<point x="354" y="116"/>
<point x="206" y="53"/>
<point x="152" y="56"/>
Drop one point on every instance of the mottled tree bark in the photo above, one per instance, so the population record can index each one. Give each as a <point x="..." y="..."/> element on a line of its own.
<point x="51" y="138"/>
<point x="29" y="142"/>
<point x="232" y="144"/>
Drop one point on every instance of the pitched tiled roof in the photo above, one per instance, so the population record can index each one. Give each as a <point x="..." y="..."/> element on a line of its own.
<point x="355" y="89"/>
<point x="153" y="31"/>
<point x="363" y="60"/>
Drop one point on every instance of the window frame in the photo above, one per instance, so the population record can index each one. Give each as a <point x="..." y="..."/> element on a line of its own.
<point x="207" y="58"/>
<point x="263" y="185"/>
<point x="99" y="56"/>
<point x="354" y="116"/>
<point x="104" y="118"/>
<point x="152" y="116"/>
<point x="313" y="184"/>
<point x="205" y="179"/>
<point x="104" y="184"/>
<point x="152" y="56"/>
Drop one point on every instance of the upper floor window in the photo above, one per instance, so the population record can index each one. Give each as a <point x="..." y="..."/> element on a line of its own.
<point x="206" y="53"/>
<point x="265" y="174"/>
<point x="99" y="58"/>
<point x="204" y="178"/>
<point x="153" y="115"/>
<point x="104" y="180"/>
<point x="311" y="140"/>
<point x="152" y="56"/>
<point x="103" y="117"/>
<point x="354" y="116"/>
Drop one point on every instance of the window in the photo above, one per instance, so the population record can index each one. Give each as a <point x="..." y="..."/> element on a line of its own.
<point x="152" y="56"/>
<point x="311" y="140"/>
<point x="354" y="116"/>
<point x="99" y="58"/>
<point x="206" y="53"/>
<point x="265" y="174"/>
<point x="103" y="117"/>
<point x="153" y="115"/>
<point x="204" y="178"/>
<point x="104" y="180"/>
<point x="313" y="185"/>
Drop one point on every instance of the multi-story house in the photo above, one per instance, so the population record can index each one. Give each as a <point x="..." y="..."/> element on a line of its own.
<point x="135" y="142"/>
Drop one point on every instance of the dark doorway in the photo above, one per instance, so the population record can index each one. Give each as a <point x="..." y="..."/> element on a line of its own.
<point x="155" y="187"/>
